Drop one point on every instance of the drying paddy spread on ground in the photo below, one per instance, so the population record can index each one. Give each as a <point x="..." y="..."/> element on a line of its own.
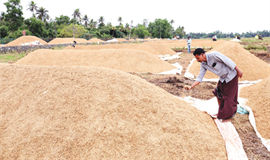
<point x="25" y="39"/>
<point x="93" y="113"/>
<point x="154" y="48"/>
<point x="67" y="40"/>
<point x="127" y="60"/>
<point x="69" y="104"/>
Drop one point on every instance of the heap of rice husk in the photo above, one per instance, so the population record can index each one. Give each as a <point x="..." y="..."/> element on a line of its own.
<point x="121" y="39"/>
<point x="183" y="43"/>
<point x="25" y="39"/>
<point x="258" y="96"/>
<point x="139" y="40"/>
<point x="125" y="60"/>
<point x="96" y="113"/>
<point x="252" y="67"/>
<point x="67" y="40"/>
<point x="155" y="48"/>
<point x="95" y="40"/>
<point x="147" y="39"/>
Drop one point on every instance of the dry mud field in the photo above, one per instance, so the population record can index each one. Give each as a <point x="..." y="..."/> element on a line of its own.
<point x="132" y="120"/>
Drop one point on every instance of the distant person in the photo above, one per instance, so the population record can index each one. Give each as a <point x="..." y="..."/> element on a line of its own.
<point x="188" y="44"/>
<point x="227" y="87"/>
<point x="215" y="38"/>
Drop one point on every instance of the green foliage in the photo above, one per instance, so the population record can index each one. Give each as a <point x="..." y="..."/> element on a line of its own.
<point x="62" y="20"/>
<point x="18" y="33"/>
<point x="140" y="31"/>
<point x="13" y="17"/>
<point x="42" y="14"/>
<point x="256" y="47"/>
<point x="36" y="26"/>
<point x="180" y="32"/>
<point x="160" y="28"/>
<point x="3" y="31"/>
<point x="68" y="31"/>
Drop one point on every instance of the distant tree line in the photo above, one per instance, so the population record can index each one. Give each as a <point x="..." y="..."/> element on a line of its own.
<point x="12" y="25"/>
<point x="41" y="24"/>
<point x="219" y="34"/>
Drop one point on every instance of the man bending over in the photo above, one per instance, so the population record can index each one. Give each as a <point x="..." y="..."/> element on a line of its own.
<point x="227" y="87"/>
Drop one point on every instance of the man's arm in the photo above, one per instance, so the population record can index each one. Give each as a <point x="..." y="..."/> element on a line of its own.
<point x="192" y="86"/>
<point x="239" y="73"/>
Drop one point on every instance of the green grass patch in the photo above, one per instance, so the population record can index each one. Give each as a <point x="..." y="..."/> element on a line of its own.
<point x="256" y="47"/>
<point x="11" y="57"/>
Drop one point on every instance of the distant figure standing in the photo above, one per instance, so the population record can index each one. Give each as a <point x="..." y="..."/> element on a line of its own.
<point x="188" y="44"/>
<point x="215" y="38"/>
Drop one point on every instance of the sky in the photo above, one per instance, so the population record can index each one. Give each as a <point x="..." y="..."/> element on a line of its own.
<point x="195" y="15"/>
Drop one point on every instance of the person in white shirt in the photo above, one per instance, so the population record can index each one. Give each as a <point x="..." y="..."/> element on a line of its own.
<point x="188" y="44"/>
<point x="227" y="87"/>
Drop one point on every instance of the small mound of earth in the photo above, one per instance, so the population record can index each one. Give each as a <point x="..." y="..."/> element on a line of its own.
<point x="156" y="49"/>
<point x="125" y="59"/>
<point x="258" y="96"/>
<point x="96" y="113"/>
<point x="95" y="40"/>
<point x="67" y="40"/>
<point x="25" y="39"/>
<point x="121" y="39"/>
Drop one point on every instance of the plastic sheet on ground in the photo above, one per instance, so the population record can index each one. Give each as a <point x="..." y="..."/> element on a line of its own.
<point x="211" y="107"/>
<point x="31" y="43"/>
<point x="236" y="40"/>
<point x="168" y="57"/>
<point x="178" y="70"/>
<point x="232" y="140"/>
<point x="112" y="40"/>
<point x="242" y="102"/>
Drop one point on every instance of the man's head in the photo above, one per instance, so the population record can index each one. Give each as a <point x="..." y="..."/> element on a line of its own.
<point x="188" y="37"/>
<point x="199" y="54"/>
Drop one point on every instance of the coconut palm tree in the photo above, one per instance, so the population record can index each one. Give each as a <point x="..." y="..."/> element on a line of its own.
<point x="42" y="13"/>
<point x="172" y="21"/>
<point x="32" y="7"/>
<point x="76" y="14"/>
<point x="101" y="21"/>
<point x="120" y="20"/>
<point x="131" y="23"/>
<point x="95" y="24"/>
<point x="145" y="22"/>
<point x="85" y="19"/>
<point x="2" y="17"/>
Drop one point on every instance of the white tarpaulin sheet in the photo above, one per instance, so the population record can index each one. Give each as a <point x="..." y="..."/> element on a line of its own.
<point x="168" y="57"/>
<point x="211" y="107"/>
<point x="178" y="70"/>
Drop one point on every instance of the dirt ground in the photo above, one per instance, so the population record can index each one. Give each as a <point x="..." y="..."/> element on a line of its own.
<point x="174" y="84"/>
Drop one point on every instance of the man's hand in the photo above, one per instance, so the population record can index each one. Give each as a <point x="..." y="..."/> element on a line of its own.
<point x="239" y="73"/>
<point x="187" y="87"/>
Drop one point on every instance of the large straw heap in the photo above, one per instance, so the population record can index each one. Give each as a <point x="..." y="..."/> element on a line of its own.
<point x="154" y="48"/>
<point x="258" y="96"/>
<point x="25" y="39"/>
<point x="126" y="59"/>
<point x="95" y="113"/>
